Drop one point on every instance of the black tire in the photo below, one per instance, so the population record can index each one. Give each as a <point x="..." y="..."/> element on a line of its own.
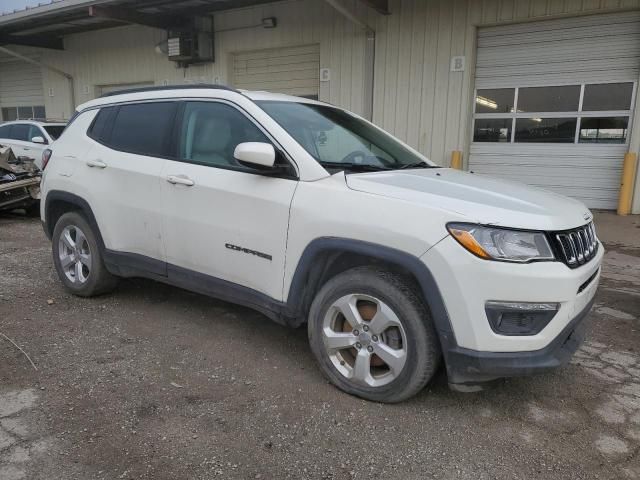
<point x="98" y="280"/>
<point x="422" y="349"/>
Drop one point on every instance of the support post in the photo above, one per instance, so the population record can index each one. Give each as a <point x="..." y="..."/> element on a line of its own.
<point x="456" y="159"/>
<point x="626" y="183"/>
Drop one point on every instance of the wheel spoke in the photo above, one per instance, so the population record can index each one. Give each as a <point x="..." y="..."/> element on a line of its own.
<point x="394" y="359"/>
<point x="79" y="277"/>
<point x="85" y="258"/>
<point x="347" y="306"/>
<point x="338" y="341"/>
<point x="80" y="239"/>
<point x="383" y="319"/>
<point x="67" y="240"/>
<point x="362" y="367"/>
<point x="66" y="261"/>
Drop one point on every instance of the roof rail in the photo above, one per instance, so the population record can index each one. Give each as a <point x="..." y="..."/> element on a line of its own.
<point x="156" y="88"/>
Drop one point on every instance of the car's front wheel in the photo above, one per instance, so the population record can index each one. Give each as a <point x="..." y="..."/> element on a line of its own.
<point x="78" y="259"/>
<point x="372" y="335"/>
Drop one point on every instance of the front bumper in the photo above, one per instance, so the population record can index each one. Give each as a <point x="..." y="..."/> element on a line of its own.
<point x="466" y="366"/>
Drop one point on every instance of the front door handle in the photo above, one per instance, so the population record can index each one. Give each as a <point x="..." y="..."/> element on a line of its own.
<point x="180" y="180"/>
<point x="96" y="164"/>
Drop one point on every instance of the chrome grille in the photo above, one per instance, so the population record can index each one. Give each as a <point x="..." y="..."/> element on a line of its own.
<point x="577" y="246"/>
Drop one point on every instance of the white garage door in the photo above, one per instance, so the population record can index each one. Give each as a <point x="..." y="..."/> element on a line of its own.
<point x="293" y="70"/>
<point x="21" y="91"/>
<point x="554" y="101"/>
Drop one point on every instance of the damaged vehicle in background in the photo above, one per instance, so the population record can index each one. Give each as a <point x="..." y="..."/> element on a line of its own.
<point x="19" y="182"/>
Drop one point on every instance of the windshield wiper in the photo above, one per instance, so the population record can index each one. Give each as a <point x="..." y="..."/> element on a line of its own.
<point x="354" y="167"/>
<point x="420" y="164"/>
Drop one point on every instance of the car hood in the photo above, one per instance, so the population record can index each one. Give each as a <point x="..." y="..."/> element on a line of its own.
<point x="479" y="198"/>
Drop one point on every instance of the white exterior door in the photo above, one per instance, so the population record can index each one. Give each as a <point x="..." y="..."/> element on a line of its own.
<point x="553" y="104"/>
<point x="291" y="70"/>
<point x="220" y="218"/>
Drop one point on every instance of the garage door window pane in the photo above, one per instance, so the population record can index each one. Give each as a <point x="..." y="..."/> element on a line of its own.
<point x="39" y="112"/>
<point x="604" y="130"/>
<point x="24" y="113"/>
<point x="545" y="130"/>
<point x="607" y="96"/>
<point x="499" y="100"/>
<point x="9" y="114"/>
<point x="549" y="99"/>
<point x="492" y="130"/>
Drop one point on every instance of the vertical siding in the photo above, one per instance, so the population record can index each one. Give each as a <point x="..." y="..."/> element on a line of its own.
<point x="417" y="97"/>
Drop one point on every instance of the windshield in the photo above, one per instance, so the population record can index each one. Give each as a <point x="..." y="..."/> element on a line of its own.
<point x="339" y="140"/>
<point x="54" y="131"/>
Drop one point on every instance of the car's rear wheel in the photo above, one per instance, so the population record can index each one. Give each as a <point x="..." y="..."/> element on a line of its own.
<point x="372" y="335"/>
<point x="78" y="259"/>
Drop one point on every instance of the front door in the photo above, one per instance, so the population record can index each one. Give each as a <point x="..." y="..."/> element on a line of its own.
<point x="223" y="219"/>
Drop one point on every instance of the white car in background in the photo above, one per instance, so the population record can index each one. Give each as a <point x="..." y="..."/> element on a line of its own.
<point x="29" y="138"/>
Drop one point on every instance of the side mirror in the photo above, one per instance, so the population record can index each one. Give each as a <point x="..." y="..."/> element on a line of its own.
<point x="39" y="139"/>
<point x="256" y="154"/>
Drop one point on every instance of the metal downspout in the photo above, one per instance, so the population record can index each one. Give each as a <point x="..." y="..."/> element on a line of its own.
<point x="68" y="76"/>
<point x="369" y="55"/>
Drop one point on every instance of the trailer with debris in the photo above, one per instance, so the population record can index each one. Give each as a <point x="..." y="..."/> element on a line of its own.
<point x="19" y="182"/>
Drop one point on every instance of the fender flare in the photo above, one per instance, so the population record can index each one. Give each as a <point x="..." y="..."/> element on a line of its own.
<point x="81" y="203"/>
<point x="427" y="282"/>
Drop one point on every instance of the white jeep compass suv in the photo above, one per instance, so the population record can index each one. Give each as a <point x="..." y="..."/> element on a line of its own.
<point x="310" y="214"/>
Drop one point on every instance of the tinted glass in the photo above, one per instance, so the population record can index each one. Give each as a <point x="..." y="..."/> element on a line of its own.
<point x="39" y="112"/>
<point x="98" y="129"/>
<point x="54" y="131"/>
<point x="499" y="100"/>
<point x="492" y="130"/>
<point x="9" y="114"/>
<point x="4" y="131"/>
<point x="607" y="96"/>
<point x="549" y="99"/>
<point x="143" y="128"/>
<point x="211" y="132"/>
<point x="546" y="130"/>
<point x="604" y="130"/>
<point x="20" y="132"/>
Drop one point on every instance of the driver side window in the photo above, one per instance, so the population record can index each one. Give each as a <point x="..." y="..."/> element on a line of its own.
<point x="210" y="133"/>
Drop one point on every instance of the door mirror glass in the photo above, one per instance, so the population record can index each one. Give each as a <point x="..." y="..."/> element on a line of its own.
<point x="38" y="139"/>
<point x="255" y="153"/>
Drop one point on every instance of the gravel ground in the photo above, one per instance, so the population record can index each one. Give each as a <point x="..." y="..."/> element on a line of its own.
<point x="153" y="382"/>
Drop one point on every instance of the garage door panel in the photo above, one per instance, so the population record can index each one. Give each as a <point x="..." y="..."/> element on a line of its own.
<point x="579" y="51"/>
<point x="20" y="85"/>
<point x="291" y="70"/>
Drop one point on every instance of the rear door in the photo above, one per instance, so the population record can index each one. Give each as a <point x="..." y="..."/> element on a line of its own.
<point x="223" y="219"/>
<point x="123" y="168"/>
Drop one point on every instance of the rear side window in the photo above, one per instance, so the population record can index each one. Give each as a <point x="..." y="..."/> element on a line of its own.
<point x="98" y="128"/>
<point x="54" y="131"/>
<point x="4" y="131"/>
<point x="143" y="128"/>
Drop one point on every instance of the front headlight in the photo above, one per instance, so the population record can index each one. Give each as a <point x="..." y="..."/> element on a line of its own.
<point x="494" y="243"/>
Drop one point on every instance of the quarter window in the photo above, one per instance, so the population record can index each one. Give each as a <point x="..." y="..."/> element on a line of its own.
<point x="587" y="113"/>
<point x="143" y="128"/>
<point x="210" y="133"/>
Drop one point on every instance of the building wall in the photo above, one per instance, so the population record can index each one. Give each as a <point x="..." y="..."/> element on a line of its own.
<point x="416" y="96"/>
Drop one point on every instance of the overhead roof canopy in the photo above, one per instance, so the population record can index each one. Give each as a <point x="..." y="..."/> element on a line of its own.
<point x="45" y="25"/>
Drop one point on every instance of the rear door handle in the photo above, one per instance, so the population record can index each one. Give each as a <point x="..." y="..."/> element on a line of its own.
<point x="180" y="180"/>
<point x="96" y="164"/>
